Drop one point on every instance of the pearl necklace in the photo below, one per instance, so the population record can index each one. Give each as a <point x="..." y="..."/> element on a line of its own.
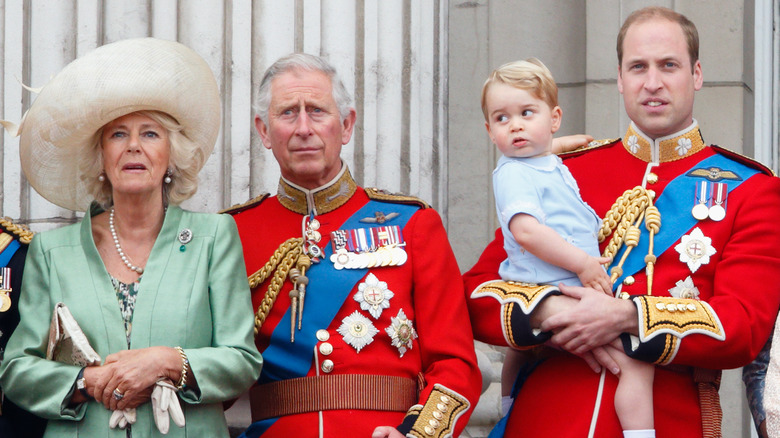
<point x="122" y="255"/>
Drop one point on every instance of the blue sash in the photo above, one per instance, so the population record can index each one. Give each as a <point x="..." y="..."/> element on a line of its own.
<point x="8" y="252"/>
<point x="675" y="205"/>
<point x="325" y="295"/>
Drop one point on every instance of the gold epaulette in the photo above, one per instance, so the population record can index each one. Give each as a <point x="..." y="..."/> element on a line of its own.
<point x="595" y="144"/>
<point x="24" y="233"/>
<point x="397" y="198"/>
<point x="750" y="162"/>
<point x="238" y="208"/>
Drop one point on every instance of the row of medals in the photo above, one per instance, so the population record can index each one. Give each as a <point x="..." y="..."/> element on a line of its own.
<point x="390" y="255"/>
<point x="710" y="193"/>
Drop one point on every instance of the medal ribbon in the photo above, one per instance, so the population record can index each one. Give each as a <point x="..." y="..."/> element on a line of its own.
<point x="674" y="205"/>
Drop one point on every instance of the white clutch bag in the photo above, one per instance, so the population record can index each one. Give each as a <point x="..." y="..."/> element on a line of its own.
<point x="67" y="343"/>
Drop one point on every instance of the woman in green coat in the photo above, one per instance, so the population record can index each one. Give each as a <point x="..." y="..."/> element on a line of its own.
<point x="159" y="292"/>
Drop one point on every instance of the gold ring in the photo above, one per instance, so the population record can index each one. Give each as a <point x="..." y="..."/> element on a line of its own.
<point x="118" y="395"/>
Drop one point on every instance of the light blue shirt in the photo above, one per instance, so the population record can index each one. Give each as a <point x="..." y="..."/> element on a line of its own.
<point x="545" y="189"/>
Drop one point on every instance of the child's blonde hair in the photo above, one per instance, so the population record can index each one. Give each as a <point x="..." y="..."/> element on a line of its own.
<point x="530" y="75"/>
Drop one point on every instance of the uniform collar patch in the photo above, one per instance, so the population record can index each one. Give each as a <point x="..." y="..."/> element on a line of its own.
<point x="320" y="200"/>
<point x="661" y="150"/>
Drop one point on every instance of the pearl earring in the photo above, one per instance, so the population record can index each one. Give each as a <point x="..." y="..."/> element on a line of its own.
<point x="102" y="177"/>
<point x="167" y="178"/>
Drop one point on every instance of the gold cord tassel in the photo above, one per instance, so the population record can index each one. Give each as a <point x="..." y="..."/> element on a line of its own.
<point x="622" y="221"/>
<point x="653" y="224"/>
<point x="279" y="264"/>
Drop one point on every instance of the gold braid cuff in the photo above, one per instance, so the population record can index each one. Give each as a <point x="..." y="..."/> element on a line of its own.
<point x="526" y="295"/>
<point x="516" y="296"/>
<point x="438" y="416"/>
<point x="678" y="317"/>
<point x="280" y="263"/>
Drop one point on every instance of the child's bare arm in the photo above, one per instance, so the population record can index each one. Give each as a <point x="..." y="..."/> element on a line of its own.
<point x="543" y="242"/>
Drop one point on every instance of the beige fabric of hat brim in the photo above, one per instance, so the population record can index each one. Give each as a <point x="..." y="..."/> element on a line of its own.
<point x="111" y="81"/>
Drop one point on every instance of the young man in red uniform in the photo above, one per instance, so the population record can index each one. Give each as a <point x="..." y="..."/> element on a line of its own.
<point x="361" y="319"/>
<point x="697" y="291"/>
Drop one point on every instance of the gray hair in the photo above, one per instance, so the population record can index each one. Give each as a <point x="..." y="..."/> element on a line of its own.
<point x="186" y="159"/>
<point x="302" y="61"/>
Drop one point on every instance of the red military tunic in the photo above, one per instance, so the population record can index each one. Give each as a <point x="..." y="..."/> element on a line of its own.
<point x="425" y="291"/>
<point x="733" y="265"/>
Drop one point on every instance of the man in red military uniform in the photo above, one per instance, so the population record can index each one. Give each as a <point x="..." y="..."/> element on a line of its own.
<point x="360" y="318"/>
<point x="698" y="286"/>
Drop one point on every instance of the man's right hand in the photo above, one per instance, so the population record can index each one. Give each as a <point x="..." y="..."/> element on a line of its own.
<point x="595" y="320"/>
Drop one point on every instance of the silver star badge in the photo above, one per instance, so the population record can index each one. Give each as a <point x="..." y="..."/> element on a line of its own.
<point x="695" y="249"/>
<point x="685" y="289"/>
<point x="357" y="330"/>
<point x="401" y="332"/>
<point x="373" y="295"/>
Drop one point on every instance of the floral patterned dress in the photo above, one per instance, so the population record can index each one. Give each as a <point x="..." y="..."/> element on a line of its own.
<point x="126" y="295"/>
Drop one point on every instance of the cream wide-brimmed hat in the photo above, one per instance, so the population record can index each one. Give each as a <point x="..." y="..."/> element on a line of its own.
<point x="111" y="81"/>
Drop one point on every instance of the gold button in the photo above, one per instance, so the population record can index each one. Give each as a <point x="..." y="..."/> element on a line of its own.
<point x="441" y="407"/>
<point x="429" y="430"/>
<point x="326" y="348"/>
<point x="437" y="415"/>
<point x="434" y="423"/>
<point x="628" y="281"/>
<point x="323" y="335"/>
<point x="444" y="399"/>
<point x="327" y="366"/>
<point x="652" y="178"/>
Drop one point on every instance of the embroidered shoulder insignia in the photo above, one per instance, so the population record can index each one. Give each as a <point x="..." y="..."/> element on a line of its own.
<point x="595" y="144"/>
<point x="397" y="198"/>
<point x="714" y="174"/>
<point x="238" y="208"/>
<point x="379" y="218"/>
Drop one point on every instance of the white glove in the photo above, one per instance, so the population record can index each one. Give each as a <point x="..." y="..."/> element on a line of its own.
<point x="165" y="402"/>
<point x="122" y="418"/>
